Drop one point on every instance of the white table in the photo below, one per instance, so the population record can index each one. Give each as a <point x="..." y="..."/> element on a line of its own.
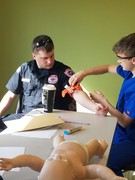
<point x="100" y="128"/>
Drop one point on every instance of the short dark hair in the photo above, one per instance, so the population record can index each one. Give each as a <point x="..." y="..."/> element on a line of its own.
<point x="126" y="45"/>
<point x="42" y="42"/>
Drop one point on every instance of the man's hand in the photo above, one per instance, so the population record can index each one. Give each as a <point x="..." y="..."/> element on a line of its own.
<point x="102" y="103"/>
<point x="102" y="110"/>
<point x="76" y="78"/>
<point x="98" y="97"/>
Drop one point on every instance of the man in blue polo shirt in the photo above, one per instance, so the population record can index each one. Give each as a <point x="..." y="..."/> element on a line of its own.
<point x="122" y="152"/>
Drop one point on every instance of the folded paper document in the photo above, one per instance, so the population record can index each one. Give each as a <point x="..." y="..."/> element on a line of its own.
<point x="30" y="122"/>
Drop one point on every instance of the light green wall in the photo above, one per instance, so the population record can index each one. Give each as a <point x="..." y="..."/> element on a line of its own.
<point x="83" y="31"/>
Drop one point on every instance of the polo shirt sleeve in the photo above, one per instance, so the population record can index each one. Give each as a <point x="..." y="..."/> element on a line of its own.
<point x="15" y="84"/>
<point x="124" y="74"/>
<point x="64" y="72"/>
<point x="66" y="75"/>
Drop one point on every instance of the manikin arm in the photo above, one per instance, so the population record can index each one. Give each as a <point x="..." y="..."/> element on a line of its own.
<point x="99" y="171"/>
<point x="6" y="102"/>
<point x="33" y="162"/>
<point x="83" y="99"/>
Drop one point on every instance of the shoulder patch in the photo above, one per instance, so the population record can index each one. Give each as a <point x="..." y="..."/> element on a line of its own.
<point x="68" y="72"/>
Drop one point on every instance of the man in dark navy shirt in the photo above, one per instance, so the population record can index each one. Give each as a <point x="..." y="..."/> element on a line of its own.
<point x="30" y="77"/>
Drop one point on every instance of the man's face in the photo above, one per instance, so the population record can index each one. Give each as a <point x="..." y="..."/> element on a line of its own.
<point x="126" y="62"/>
<point x="44" y="60"/>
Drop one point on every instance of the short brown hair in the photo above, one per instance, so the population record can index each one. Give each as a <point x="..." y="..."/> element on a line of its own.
<point x="126" y="45"/>
<point x="42" y="42"/>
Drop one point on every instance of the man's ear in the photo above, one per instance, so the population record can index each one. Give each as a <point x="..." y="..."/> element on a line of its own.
<point x="33" y="55"/>
<point x="133" y="60"/>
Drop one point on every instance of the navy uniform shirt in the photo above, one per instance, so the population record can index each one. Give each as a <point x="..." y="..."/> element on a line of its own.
<point x="29" y="80"/>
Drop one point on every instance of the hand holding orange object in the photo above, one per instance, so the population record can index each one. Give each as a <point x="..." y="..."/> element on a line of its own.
<point x="70" y="90"/>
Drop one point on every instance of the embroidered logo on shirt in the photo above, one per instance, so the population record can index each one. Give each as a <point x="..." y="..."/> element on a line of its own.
<point x="69" y="72"/>
<point x="53" y="79"/>
<point x="128" y="112"/>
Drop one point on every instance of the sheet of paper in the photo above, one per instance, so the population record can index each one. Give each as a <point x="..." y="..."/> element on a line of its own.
<point x="44" y="133"/>
<point x="31" y="122"/>
<point x="10" y="152"/>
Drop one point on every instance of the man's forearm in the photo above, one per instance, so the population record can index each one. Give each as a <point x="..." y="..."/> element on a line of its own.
<point x="122" y="118"/>
<point x="95" y="70"/>
<point x="6" y="102"/>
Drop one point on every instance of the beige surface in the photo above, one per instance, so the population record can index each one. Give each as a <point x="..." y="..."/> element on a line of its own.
<point x="100" y="128"/>
<point x="31" y="122"/>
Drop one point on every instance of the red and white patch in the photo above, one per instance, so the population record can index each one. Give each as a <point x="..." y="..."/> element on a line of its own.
<point x="53" y="79"/>
<point x="69" y="72"/>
